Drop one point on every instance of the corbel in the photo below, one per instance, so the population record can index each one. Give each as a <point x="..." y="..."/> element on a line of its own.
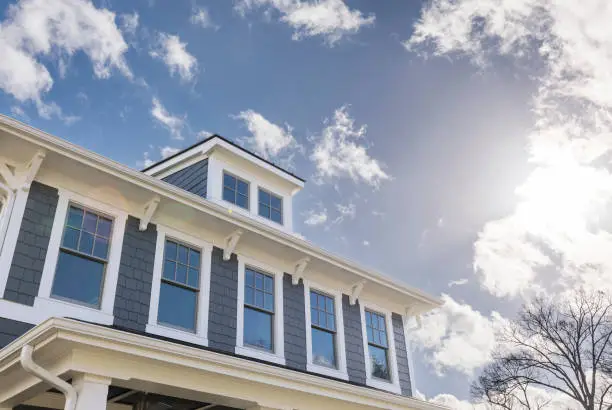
<point x="298" y="272"/>
<point x="230" y="244"/>
<point x="356" y="290"/>
<point x="22" y="176"/>
<point x="149" y="210"/>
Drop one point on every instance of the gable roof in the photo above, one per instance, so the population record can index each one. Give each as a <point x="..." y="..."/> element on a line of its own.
<point x="251" y="153"/>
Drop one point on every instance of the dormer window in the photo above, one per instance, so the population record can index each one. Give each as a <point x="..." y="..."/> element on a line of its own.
<point x="270" y="206"/>
<point x="235" y="190"/>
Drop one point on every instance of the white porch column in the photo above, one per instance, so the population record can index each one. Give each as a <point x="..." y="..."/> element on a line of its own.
<point x="92" y="391"/>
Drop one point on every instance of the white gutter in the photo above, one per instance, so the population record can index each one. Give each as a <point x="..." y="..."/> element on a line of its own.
<point x="29" y="366"/>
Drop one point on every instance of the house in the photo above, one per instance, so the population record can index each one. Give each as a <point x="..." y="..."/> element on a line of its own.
<point x="183" y="286"/>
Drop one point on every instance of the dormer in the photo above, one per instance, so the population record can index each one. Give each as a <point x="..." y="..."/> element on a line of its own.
<point x="229" y="175"/>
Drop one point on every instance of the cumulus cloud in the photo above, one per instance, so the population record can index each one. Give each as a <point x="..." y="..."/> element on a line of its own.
<point x="269" y="140"/>
<point x="341" y="151"/>
<point x="558" y="225"/>
<point x="330" y="19"/>
<point x="458" y="282"/>
<point x="174" y="54"/>
<point x="457" y="337"/>
<point x="316" y="217"/>
<point x="168" y="151"/>
<point x="201" y="17"/>
<point x="174" y="124"/>
<point x="55" y="29"/>
<point x="348" y="211"/>
<point x="129" y="22"/>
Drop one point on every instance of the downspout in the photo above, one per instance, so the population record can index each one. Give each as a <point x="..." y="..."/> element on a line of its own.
<point x="29" y="366"/>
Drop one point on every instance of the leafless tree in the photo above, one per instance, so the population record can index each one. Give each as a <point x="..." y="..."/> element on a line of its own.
<point x="562" y="346"/>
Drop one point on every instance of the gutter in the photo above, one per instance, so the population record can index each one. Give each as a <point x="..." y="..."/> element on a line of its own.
<point x="25" y="358"/>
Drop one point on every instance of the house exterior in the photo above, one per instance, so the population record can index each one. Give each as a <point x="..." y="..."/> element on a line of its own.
<point x="183" y="286"/>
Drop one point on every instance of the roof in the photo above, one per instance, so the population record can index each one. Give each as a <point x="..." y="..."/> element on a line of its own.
<point x="251" y="153"/>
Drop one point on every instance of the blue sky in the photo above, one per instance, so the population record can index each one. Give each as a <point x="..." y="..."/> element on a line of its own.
<point x="445" y="122"/>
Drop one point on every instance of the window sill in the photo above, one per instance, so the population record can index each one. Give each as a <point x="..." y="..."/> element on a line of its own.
<point x="177" y="334"/>
<point x="384" y="385"/>
<point x="327" y="371"/>
<point x="260" y="354"/>
<point x="60" y="308"/>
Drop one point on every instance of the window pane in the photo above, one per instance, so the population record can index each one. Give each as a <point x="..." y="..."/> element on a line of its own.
<point x="194" y="259"/>
<point x="181" y="273"/>
<point x="383" y="339"/>
<point x="313" y="300"/>
<point x="321" y="302"/>
<point x="242" y="201"/>
<point x="381" y="322"/>
<point x="71" y="238"/>
<point x="331" y="325"/>
<point x="170" y="250"/>
<point x="314" y="316"/>
<point x="229" y="181"/>
<point x="90" y="222"/>
<point x="75" y="217"/>
<point x="259" y="299"/>
<point x="323" y="349"/>
<point x="276" y="202"/>
<point x="277" y="216"/>
<point x="104" y="227"/>
<point x="264" y="211"/>
<point x="329" y="305"/>
<point x="370" y="334"/>
<point x="257" y="329"/>
<point x="229" y="195"/>
<point x="78" y="278"/>
<point x="259" y="281"/>
<point x="249" y="279"/>
<point x="269" y="302"/>
<point x="378" y="360"/>
<point x="177" y="306"/>
<point x="86" y="243"/>
<point x="193" y="279"/>
<point x="268" y="284"/>
<point x="100" y="247"/>
<point x="169" y="268"/>
<point x="248" y="296"/>
<point x="243" y="188"/>
<point x="182" y="254"/>
<point x="264" y="197"/>
<point x="368" y="318"/>
<point x="322" y="319"/>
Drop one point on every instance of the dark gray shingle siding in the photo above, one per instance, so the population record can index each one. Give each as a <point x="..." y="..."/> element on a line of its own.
<point x="353" y="337"/>
<point x="11" y="330"/>
<point x="403" y="367"/>
<point x="295" y="324"/>
<point x="222" y="315"/>
<point x="135" y="276"/>
<point x="32" y="243"/>
<point x="192" y="178"/>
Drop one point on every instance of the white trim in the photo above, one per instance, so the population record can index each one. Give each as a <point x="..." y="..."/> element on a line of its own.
<point x="340" y="372"/>
<point x="278" y="356"/>
<point x="200" y="336"/>
<point x="111" y="276"/>
<point x="393" y="385"/>
<point x="20" y="198"/>
<point x="6" y="202"/>
<point x="60" y="308"/>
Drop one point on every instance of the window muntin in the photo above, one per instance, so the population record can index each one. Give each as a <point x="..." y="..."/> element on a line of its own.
<point x="83" y="256"/>
<point x="180" y="285"/>
<point x="270" y="206"/>
<point x="258" y="310"/>
<point x="235" y="190"/>
<point x="323" y="329"/>
<point x="378" y="345"/>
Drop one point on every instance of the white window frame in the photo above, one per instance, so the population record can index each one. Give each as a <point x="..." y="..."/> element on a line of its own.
<point x="64" y="308"/>
<point x="200" y="336"/>
<point x="278" y="355"/>
<point x="250" y="190"/>
<point x="271" y="193"/>
<point x="392" y="385"/>
<point x="341" y="371"/>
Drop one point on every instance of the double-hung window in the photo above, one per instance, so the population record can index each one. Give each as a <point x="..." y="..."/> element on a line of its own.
<point x="258" y="310"/>
<point x="235" y="190"/>
<point x="180" y="285"/>
<point x="83" y="257"/>
<point x="323" y="329"/>
<point x="270" y="206"/>
<point x="378" y="345"/>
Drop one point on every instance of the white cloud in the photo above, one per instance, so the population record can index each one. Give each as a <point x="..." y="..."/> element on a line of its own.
<point x="172" y="123"/>
<point x="17" y="111"/>
<point x="316" y="217"/>
<point x="339" y="152"/>
<point x="55" y="29"/>
<point x="204" y="134"/>
<point x="348" y="211"/>
<point x="330" y="19"/>
<point x="366" y="243"/>
<point x="201" y="17"/>
<point x="129" y="22"/>
<point x="458" y="282"/>
<point x="457" y="337"/>
<point x="556" y="237"/>
<point x="174" y="54"/>
<point x="267" y="139"/>
<point x="167" y="151"/>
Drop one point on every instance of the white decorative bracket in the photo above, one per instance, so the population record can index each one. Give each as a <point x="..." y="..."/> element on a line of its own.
<point x="23" y="175"/>
<point x="298" y="272"/>
<point x="356" y="291"/>
<point x="32" y="169"/>
<point x="230" y="244"/>
<point x="149" y="210"/>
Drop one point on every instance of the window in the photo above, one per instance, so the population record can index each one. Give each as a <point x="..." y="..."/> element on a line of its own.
<point x="258" y="310"/>
<point x="235" y="190"/>
<point x="377" y="345"/>
<point x="270" y="206"/>
<point x="323" y="329"/>
<point x="180" y="285"/>
<point x="83" y="257"/>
